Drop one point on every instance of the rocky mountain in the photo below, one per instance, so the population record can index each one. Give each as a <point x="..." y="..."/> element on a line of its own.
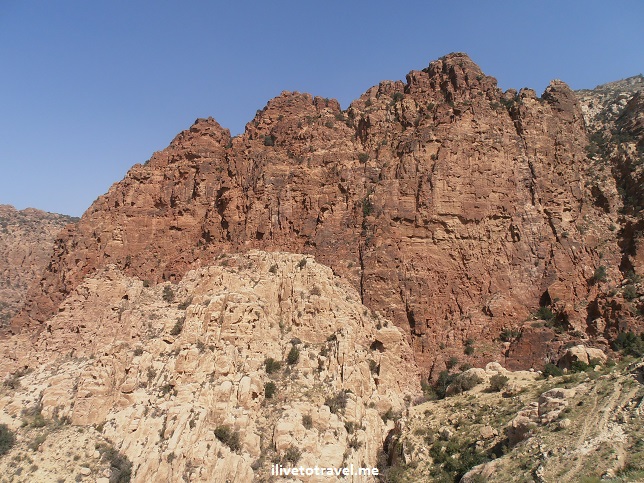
<point x="604" y="104"/>
<point x="26" y="244"/>
<point x="384" y="286"/>
<point x="457" y="210"/>
<point x="253" y="360"/>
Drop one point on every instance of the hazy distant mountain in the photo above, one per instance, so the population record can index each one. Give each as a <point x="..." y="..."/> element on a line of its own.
<point x="26" y="242"/>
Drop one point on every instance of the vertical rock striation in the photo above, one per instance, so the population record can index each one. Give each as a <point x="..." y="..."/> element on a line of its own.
<point x="455" y="209"/>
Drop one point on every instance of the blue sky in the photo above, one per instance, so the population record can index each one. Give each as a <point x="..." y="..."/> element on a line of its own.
<point x="89" y="88"/>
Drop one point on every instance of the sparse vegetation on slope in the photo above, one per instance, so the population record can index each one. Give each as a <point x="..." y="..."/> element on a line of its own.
<point x="582" y="426"/>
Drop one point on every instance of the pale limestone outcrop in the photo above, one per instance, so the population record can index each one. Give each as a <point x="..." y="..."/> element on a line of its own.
<point x="544" y="411"/>
<point x="159" y="369"/>
<point x="581" y="353"/>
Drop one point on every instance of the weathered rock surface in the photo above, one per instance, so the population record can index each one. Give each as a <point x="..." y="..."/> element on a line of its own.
<point x="166" y="372"/>
<point x="454" y="208"/>
<point x="582" y="354"/>
<point x="614" y="114"/>
<point x="606" y="102"/>
<point x="26" y="245"/>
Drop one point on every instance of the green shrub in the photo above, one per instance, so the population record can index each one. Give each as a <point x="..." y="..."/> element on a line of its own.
<point x="469" y="347"/>
<point x="167" y="389"/>
<point x="600" y="274"/>
<point x="338" y="402"/>
<point x="452" y="362"/>
<point x="184" y="305"/>
<point x="498" y="382"/>
<point x="397" y="96"/>
<point x="508" y="335"/>
<point x="367" y="206"/>
<point x="12" y="381"/>
<point x="307" y="421"/>
<point x="579" y="366"/>
<point x="630" y="292"/>
<point x="151" y="373"/>
<point x="629" y="344"/>
<point x="35" y="443"/>
<point x="230" y="438"/>
<point x="354" y="443"/>
<point x="544" y="313"/>
<point x="168" y="294"/>
<point x="452" y="459"/>
<point x="293" y="356"/>
<point x="302" y="263"/>
<point x="363" y="157"/>
<point x="33" y="412"/>
<point x="269" y="390"/>
<point x="464" y="382"/>
<point x="7" y="439"/>
<point x="120" y="465"/>
<point x="178" y="326"/>
<point x="271" y="365"/>
<point x="551" y="370"/>
<point x="269" y="141"/>
<point x="444" y="380"/>
<point x="292" y="455"/>
<point x="633" y="277"/>
<point x="390" y="415"/>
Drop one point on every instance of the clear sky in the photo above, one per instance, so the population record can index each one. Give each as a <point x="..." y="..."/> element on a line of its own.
<point x="89" y="88"/>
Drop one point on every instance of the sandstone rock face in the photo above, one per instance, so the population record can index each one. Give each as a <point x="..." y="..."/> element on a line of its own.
<point x="583" y="354"/>
<point x="26" y="244"/>
<point x="452" y="207"/>
<point x="171" y="373"/>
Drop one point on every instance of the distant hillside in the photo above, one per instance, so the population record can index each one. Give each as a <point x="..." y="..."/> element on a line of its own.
<point x="26" y="242"/>
<point x="603" y="104"/>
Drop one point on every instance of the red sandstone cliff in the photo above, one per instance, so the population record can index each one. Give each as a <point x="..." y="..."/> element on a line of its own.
<point x="456" y="209"/>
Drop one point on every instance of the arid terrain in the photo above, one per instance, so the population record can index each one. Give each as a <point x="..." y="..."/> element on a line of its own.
<point x="26" y="245"/>
<point x="397" y="284"/>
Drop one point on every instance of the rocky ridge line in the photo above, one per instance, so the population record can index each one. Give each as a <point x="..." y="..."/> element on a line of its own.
<point x="455" y="209"/>
<point x="26" y="245"/>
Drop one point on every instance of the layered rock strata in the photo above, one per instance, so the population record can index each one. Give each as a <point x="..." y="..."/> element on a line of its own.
<point x="454" y="208"/>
